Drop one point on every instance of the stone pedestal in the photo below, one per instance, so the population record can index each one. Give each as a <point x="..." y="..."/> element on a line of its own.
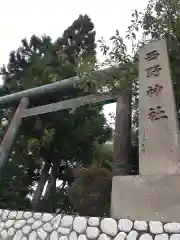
<point x="146" y="197"/>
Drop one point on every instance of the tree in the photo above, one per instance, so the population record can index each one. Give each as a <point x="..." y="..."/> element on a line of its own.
<point x="159" y="20"/>
<point x="116" y="56"/>
<point x="56" y="142"/>
<point x="91" y="191"/>
<point x="103" y="154"/>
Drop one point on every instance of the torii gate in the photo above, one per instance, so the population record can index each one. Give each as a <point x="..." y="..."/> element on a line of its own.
<point x="23" y="98"/>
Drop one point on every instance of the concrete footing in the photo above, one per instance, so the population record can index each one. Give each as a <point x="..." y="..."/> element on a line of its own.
<point x="146" y="197"/>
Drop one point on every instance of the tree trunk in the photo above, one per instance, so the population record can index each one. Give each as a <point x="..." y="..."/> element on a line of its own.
<point x="40" y="186"/>
<point x="49" y="197"/>
<point x="122" y="140"/>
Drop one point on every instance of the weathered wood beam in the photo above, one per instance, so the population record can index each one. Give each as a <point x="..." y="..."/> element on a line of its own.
<point x="122" y="140"/>
<point x="11" y="135"/>
<point x="71" y="104"/>
<point x="59" y="87"/>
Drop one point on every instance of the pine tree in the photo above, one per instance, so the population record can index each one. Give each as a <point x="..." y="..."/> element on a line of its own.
<point x="55" y="142"/>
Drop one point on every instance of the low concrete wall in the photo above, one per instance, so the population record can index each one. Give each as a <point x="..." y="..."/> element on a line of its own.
<point x="27" y="225"/>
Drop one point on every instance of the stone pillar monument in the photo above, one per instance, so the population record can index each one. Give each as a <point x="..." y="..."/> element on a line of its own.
<point x="158" y="133"/>
<point x="154" y="193"/>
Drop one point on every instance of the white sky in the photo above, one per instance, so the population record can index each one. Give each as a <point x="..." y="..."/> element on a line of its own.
<point x="22" y="18"/>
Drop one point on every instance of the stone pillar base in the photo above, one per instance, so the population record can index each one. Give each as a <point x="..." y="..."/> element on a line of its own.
<point x="146" y="197"/>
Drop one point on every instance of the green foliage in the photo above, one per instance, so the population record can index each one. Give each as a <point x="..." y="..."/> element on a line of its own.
<point x="90" y="192"/>
<point x="59" y="141"/>
<point x="159" y="20"/>
<point x="68" y="139"/>
<point x="125" y="82"/>
<point x="103" y="155"/>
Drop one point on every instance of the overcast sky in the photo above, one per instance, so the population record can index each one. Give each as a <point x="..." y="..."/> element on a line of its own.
<point x="22" y="18"/>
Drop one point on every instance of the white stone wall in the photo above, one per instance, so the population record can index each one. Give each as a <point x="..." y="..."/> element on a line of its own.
<point x="27" y="225"/>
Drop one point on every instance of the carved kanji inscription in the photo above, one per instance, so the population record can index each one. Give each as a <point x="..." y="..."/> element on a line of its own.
<point x="153" y="71"/>
<point x="154" y="90"/>
<point x="151" y="55"/>
<point x="156" y="113"/>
